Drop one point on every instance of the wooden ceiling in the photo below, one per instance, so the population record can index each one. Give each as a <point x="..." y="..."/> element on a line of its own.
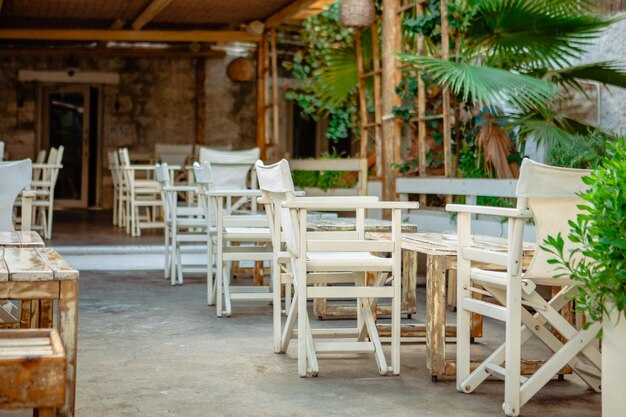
<point x="168" y="14"/>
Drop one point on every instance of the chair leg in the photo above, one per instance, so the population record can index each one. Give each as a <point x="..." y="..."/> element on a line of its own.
<point x="209" y="273"/>
<point x="50" y="213"/>
<point x="228" y="272"/>
<point x="179" y="264"/>
<point x="276" y="307"/>
<point x="219" y="283"/>
<point x="300" y="275"/>
<point x="167" y="250"/>
<point x="114" y="207"/>
<point x="513" y="357"/>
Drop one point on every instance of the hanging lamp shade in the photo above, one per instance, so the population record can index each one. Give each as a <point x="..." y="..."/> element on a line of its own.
<point x="357" y="13"/>
<point x="240" y="69"/>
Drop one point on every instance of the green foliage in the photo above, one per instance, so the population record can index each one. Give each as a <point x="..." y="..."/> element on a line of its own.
<point x="599" y="262"/>
<point x="514" y="59"/>
<point x="324" y="180"/>
<point x="327" y="74"/>
<point x="582" y="151"/>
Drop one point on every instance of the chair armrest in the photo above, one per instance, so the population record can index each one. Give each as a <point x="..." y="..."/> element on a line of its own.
<point x="27" y="204"/>
<point x="340" y="203"/>
<point x="234" y="193"/>
<point x="180" y="188"/>
<point x="492" y="211"/>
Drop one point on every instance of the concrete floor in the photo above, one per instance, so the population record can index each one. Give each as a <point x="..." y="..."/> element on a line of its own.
<point x="148" y="349"/>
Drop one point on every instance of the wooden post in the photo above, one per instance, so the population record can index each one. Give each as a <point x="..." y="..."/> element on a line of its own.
<point x="200" y="101"/>
<point x="358" y="41"/>
<point x="421" y="108"/>
<point x="260" y="97"/>
<point x="391" y="131"/>
<point x="378" y="110"/>
<point x="274" y="74"/>
<point x="445" y="54"/>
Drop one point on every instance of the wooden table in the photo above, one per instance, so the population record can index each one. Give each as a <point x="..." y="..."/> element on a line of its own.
<point x="337" y="310"/>
<point x="42" y="274"/>
<point x="31" y="313"/>
<point x="441" y="251"/>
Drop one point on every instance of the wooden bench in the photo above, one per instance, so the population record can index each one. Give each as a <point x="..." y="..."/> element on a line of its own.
<point x="356" y="165"/>
<point x="32" y="370"/>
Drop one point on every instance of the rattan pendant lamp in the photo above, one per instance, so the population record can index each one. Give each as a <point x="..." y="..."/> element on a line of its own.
<point x="357" y="13"/>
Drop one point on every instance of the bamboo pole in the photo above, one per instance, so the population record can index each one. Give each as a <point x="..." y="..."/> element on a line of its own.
<point x="445" y="46"/>
<point x="362" y="99"/>
<point x="378" y="110"/>
<point x="275" y="120"/>
<point x="390" y="127"/>
<point x="421" y="107"/>
<point x="260" y="98"/>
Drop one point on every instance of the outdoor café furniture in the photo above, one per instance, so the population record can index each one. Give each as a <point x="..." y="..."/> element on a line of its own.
<point x="234" y="236"/>
<point x="549" y="196"/>
<point x="42" y="274"/>
<point x="184" y="226"/>
<point x="33" y="366"/>
<point x="118" y="193"/>
<point x="173" y="154"/>
<point x="140" y="194"/>
<point x="440" y="250"/>
<point x="338" y="309"/>
<point x="323" y="256"/>
<point x="43" y="203"/>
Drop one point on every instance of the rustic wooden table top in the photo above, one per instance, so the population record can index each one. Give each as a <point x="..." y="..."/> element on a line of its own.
<point x="21" y="240"/>
<point x="34" y="264"/>
<point x="446" y="243"/>
<point x="349" y="223"/>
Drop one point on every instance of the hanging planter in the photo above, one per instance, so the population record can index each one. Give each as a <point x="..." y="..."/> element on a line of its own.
<point x="240" y="69"/>
<point x="357" y="13"/>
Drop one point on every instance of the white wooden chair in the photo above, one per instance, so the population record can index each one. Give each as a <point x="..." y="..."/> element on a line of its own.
<point x="317" y="257"/>
<point x="232" y="169"/>
<point x="173" y="154"/>
<point x="548" y="195"/>
<point x="140" y="194"/>
<point x="43" y="187"/>
<point x="184" y="226"/>
<point x="16" y="176"/>
<point x="237" y="237"/>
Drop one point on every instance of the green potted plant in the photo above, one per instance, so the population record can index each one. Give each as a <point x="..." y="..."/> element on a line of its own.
<point x="599" y="265"/>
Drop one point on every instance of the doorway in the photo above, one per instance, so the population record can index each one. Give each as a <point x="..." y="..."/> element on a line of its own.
<point x="70" y="119"/>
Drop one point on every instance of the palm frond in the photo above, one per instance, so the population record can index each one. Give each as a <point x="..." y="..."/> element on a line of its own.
<point x="604" y="72"/>
<point x="545" y="127"/>
<point x="521" y="33"/>
<point x="489" y="87"/>
<point x="334" y="82"/>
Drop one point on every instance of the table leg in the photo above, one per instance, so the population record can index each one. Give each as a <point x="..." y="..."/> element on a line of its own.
<point x="68" y="327"/>
<point x="409" y="281"/>
<point x="436" y="315"/>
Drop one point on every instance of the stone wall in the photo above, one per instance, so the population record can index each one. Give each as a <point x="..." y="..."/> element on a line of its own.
<point x="610" y="47"/>
<point x="155" y="101"/>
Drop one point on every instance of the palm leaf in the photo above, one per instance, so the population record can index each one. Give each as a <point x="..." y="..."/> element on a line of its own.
<point x="520" y="33"/>
<point x="334" y="82"/>
<point x="490" y="87"/>
<point x="604" y="72"/>
<point x="545" y="127"/>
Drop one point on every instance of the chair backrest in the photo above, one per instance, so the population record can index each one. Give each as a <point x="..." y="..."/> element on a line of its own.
<point x="114" y="166"/>
<point x="164" y="180"/>
<point x="41" y="159"/>
<point x="276" y="184"/>
<point x="55" y="157"/>
<point x="127" y="175"/>
<point x="552" y="193"/>
<point x="16" y="176"/>
<point x="204" y="179"/>
<point x="173" y="154"/>
<point x="231" y="168"/>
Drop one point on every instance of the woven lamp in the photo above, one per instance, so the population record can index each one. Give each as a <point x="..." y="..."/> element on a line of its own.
<point x="357" y="13"/>
<point x="240" y="69"/>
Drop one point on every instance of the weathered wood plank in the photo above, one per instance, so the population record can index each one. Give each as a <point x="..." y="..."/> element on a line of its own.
<point x="25" y="264"/>
<point x="62" y="270"/>
<point x="4" y="272"/>
<point x="436" y="314"/>
<point x="17" y="290"/>
<point x="68" y="327"/>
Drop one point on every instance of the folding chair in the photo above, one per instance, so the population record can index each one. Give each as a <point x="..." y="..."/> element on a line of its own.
<point x="318" y="258"/>
<point x="139" y="193"/>
<point x="233" y="238"/>
<point x="184" y="226"/>
<point x="549" y="196"/>
<point x="16" y="176"/>
<point x="43" y="203"/>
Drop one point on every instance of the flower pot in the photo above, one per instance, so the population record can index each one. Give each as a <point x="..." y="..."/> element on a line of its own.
<point x="613" y="364"/>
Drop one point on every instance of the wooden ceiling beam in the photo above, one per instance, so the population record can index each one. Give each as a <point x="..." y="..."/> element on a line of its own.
<point x="287" y="12"/>
<point x="154" y="8"/>
<point x="128" y="35"/>
<point x="112" y="52"/>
